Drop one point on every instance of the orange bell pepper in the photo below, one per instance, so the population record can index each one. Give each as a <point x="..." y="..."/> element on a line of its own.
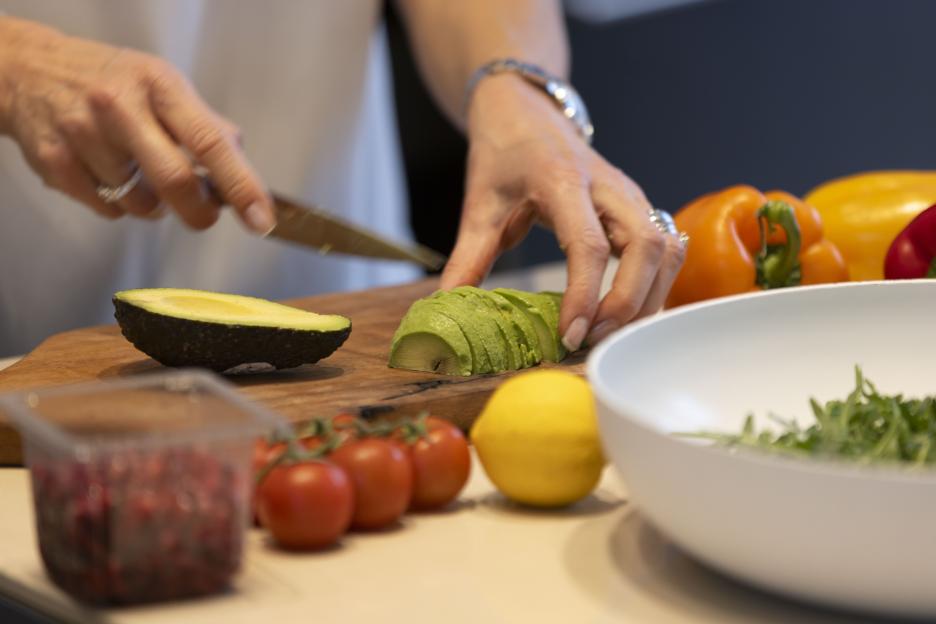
<point x="742" y="240"/>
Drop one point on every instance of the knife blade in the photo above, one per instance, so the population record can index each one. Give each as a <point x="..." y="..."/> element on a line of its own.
<point x="313" y="227"/>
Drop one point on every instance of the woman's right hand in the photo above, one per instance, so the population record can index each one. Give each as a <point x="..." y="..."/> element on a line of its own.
<point x="86" y="114"/>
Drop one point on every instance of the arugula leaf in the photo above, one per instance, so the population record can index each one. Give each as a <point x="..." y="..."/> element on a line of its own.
<point x="867" y="427"/>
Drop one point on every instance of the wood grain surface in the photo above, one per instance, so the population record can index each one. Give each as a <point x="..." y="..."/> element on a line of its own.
<point x="356" y="378"/>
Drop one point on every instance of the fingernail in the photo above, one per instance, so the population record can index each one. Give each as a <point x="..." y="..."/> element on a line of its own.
<point x="575" y="334"/>
<point x="600" y="331"/>
<point x="259" y="219"/>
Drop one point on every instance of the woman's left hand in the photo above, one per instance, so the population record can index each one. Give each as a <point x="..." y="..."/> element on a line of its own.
<point x="527" y="163"/>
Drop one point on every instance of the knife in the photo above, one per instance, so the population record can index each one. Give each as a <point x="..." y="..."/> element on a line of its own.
<point x="313" y="227"/>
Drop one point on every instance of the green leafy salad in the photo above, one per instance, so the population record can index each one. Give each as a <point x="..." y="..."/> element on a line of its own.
<point x="867" y="427"/>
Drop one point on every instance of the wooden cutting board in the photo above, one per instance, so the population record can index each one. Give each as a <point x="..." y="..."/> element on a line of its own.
<point x="356" y="378"/>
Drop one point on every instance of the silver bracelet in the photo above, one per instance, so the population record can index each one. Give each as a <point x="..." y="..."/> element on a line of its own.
<point x="568" y="100"/>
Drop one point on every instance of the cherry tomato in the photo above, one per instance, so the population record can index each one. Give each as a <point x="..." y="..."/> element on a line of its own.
<point x="263" y="453"/>
<point x="307" y="504"/>
<point x="344" y="421"/>
<point x="441" y="465"/>
<point x="261" y="446"/>
<point x="382" y="477"/>
<point x="344" y="425"/>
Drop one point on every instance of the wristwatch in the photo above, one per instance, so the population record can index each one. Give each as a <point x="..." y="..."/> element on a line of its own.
<point x="563" y="94"/>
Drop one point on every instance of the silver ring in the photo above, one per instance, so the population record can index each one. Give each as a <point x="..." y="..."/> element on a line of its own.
<point x="113" y="194"/>
<point x="663" y="221"/>
<point x="666" y="225"/>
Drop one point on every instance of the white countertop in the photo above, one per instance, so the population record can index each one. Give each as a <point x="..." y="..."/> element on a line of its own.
<point x="483" y="561"/>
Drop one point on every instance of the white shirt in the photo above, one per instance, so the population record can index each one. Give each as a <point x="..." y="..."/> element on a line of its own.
<point x="308" y="83"/>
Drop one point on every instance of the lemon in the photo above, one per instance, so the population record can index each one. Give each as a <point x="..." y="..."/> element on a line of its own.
<point x="537" y="438"/>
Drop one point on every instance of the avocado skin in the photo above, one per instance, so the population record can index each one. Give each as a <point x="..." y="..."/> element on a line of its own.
<point x="173" y="341"/>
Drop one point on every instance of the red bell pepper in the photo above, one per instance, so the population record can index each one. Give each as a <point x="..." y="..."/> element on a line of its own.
<point x="912" y="254"/>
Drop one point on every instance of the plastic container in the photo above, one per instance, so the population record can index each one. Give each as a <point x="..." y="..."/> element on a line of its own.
<point x="140" y="486"/>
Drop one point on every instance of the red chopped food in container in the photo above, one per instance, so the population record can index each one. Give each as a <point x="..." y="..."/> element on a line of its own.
<point x="141" y="489"/>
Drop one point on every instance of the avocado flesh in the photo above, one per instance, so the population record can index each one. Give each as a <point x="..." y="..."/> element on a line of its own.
<point x="212" y="307"/>
<point x="529" y="340"/>
<point x="181" y="327"/>
<point x="485" y="305"/>
<point x="424" y="309"/>
<point x="431" y="342"/>
<point x="544" y="318"/>
<point x="479" y="325"/>
<point x="555" y="297"/>
<point x="552" y="306"/>
<point x="501" y="330"/>
<point x="516" y="325"/>
<point x="426" y="351"/>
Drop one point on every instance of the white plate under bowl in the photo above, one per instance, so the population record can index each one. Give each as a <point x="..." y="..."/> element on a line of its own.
<point x="858" y="538"/>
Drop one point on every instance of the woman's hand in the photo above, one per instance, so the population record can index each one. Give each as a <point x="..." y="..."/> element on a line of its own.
<point x="87" y="114"/>
<point x="526" y="163"/>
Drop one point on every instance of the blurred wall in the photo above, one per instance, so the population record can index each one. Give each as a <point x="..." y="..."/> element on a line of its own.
<point x="775" y="93"/>
<point x="608" y="10"/>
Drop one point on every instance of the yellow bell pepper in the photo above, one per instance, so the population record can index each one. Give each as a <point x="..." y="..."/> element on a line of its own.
<point x="862" y="214"/>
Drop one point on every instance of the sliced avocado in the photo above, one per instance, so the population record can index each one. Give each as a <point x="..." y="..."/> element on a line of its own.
<point x="431" y="341"/>
<point x="485" y="305"/>
<point x="529" y="341"/>
<point x="543" y="315"/>
<point x="499" y="330"/>
<point x="477" y="324"/>
<point x="181" y="327"/>
<point x="461" y="316"/>
<point x="551" y="304"/>
<point x="427" y="351"/>
<point x="555" y="296"/>
<point x="517" y="327"/>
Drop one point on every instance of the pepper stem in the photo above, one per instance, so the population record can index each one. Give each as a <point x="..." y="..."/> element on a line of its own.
<point x="778" y="266"/>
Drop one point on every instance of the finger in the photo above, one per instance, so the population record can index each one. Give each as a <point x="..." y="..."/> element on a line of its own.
<point x="108" y="165"/>
<point x="642" y="247"/>
<point x="60" y="169"/>
<point x="477" y="245"/>
<point x="213" y="143"/>
<point x="672" y="262"/>
<point x="233" y="131"/>
<point x="167" y="169"/>
<point x="629" y="192"/>
<point x="519" y="225"/>
<point x="583" y="240"/>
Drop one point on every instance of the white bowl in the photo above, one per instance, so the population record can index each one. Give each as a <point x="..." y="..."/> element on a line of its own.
<point x="839" y="534"/>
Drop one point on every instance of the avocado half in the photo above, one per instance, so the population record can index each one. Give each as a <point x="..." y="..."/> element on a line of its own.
<point x="180" y="327"/>
<point x="470" y="331"/>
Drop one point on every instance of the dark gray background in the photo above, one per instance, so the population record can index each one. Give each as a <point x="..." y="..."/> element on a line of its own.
<point x="774" y="93"/>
